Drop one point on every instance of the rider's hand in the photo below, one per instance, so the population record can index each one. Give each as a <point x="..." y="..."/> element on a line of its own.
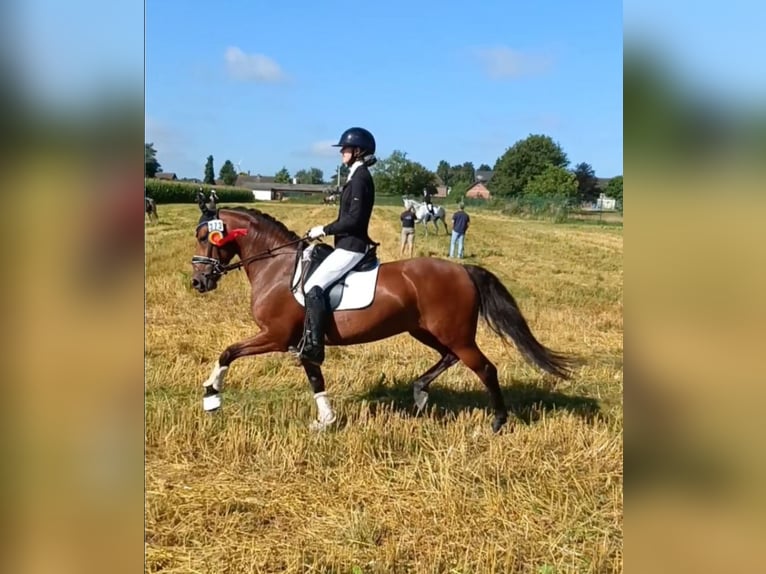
<point x="316" y="232"/>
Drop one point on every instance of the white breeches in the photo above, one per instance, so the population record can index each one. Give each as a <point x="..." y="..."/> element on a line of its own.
<point x="331" y="269"/>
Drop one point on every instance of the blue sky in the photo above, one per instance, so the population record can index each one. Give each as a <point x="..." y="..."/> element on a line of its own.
<point x="269" y="84"/>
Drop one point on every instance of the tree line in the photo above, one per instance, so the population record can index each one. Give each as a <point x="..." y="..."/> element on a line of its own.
<point x="535" y="166"/>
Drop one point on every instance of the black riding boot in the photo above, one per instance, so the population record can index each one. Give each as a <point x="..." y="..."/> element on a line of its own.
<point x="317" y="308"/>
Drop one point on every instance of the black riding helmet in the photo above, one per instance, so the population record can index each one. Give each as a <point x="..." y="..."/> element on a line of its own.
<point x="358" y="137"/>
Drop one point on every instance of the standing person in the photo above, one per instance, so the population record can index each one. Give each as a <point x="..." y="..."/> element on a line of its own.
<point x="460" y="223"/>
<point x="408" y="231"/>
<point x="357" y="147"/>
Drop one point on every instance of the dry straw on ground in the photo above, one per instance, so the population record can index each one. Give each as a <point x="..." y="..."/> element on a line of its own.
<point x="250" y="489"/>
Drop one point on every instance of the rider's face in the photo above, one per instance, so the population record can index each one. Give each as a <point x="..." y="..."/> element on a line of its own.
<point x="346" y="154"/>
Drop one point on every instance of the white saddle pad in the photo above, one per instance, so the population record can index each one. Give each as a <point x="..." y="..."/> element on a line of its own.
<point x="358" y="289"/>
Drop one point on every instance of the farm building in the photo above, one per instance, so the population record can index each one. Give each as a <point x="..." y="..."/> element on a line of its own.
<point x="479" y="189"/>
<point x="606" y="203"/>
<point x="282" y="190"/>
<point x="441" y="189"/>
<point x="168" y="176"/>
<point x="248" y="180"/>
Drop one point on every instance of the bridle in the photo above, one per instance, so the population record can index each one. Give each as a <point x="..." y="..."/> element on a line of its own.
<point x="217" y="269"/>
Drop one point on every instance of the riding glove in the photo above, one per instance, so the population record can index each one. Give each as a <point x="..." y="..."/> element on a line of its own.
<point x="316" y="232"/>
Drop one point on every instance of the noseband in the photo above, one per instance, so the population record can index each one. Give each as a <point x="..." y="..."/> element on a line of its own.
<point x="218" y="269"/>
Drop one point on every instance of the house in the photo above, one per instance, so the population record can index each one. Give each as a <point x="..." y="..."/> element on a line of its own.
<point x="606" y="203"/>
<point x="249" y="180"/>
<point x="281" y="190"/>
<point x="441" y="189"/>
<point x="484" y="175"/>
<point x="479" y="189"/>
<point x="168" y="176"/>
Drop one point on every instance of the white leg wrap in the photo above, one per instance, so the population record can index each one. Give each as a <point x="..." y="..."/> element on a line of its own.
<point x="215" y="379"/>
<point x="212" y="402"/>
<point x="325" y="414"/>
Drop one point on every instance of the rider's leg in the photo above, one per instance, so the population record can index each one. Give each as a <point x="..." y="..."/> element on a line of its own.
<point x="317" y="306"/>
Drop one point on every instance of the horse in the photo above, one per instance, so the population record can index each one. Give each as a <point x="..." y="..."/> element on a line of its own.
<point x="207" y="206"/>
<point x="151" y="209"/>
<point x="436" y="301"/>
<point x="424" y="216"/>
<point x="330" y="199"/>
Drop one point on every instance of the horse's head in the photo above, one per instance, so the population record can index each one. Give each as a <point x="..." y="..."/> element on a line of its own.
<point x="216" y="247"/>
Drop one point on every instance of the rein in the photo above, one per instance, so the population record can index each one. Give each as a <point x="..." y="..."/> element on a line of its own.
<point x="219" y="269"/>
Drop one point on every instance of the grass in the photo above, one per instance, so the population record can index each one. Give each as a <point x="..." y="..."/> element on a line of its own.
<point x="250" y="489"/>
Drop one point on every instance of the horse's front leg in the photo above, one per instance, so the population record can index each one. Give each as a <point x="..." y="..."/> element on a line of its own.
<point x="263" y="342"/>
<point x="325" y="414"/>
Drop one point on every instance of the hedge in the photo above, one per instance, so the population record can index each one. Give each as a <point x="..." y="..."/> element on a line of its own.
<point x="555" y="208"/>
<point x="163" y="191"/>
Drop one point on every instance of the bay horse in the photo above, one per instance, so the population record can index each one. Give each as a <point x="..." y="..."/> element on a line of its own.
<point x="436" y="301"/>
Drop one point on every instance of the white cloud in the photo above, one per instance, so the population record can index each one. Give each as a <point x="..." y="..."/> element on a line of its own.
<point x="252" y="67"/>
<point x="501" y="62"/>
<point x="324" y="149"/>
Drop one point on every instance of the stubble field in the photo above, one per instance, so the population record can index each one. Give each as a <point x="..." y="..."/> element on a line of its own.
<point x="251" y="489"/>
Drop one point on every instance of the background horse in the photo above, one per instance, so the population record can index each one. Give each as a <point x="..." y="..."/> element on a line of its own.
<point x="151" y="209"/>
<point x="424" y="216"/>
<point x="330" y="199"/>
<point x="207" y="207"/>
<point x="437" y="302"/>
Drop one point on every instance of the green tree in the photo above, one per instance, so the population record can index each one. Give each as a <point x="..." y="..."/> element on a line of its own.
<point x="228" y="173"/>
<point x="397" y="175"/>
<point x="526" y="159"/>
<point x="587" y="183"/>
<point x="282" y="176"/>
<point x="467" y="172"/>
<point x="313" y="175"/>
<point x="344" y="169"/>
<point x="444" y="171"/>
<point x="209" y="171"/>
<point x="151" y="165"/>
<point x="484" y="167"/>
<point x="553" y="181"/>
<point x="614" y="188"/>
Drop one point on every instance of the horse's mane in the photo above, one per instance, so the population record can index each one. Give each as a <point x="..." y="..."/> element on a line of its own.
<point x="260" y="216"/>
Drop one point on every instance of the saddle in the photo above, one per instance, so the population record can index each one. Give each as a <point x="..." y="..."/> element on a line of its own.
<point x="353" y="290"/>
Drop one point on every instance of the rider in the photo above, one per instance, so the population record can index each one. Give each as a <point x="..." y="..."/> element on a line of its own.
<point x="352" y="241"/>
<point x="427" y="198"/>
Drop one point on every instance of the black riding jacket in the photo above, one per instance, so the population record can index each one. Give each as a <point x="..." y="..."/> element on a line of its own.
<point x="356" y="201"/>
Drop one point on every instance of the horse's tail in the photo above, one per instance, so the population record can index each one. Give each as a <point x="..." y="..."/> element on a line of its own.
<point x="499" y="309"/>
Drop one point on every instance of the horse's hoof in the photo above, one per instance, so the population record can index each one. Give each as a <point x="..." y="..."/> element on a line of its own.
<point x="320" y="426"/>
<point x="421" y="400"/>
<point x="498" y="423"/>
<point x="211" y="403"/>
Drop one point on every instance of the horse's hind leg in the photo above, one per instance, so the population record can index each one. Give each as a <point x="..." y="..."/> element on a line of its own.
<point x="475" y="360"/>
<point x="420" y="385"/>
